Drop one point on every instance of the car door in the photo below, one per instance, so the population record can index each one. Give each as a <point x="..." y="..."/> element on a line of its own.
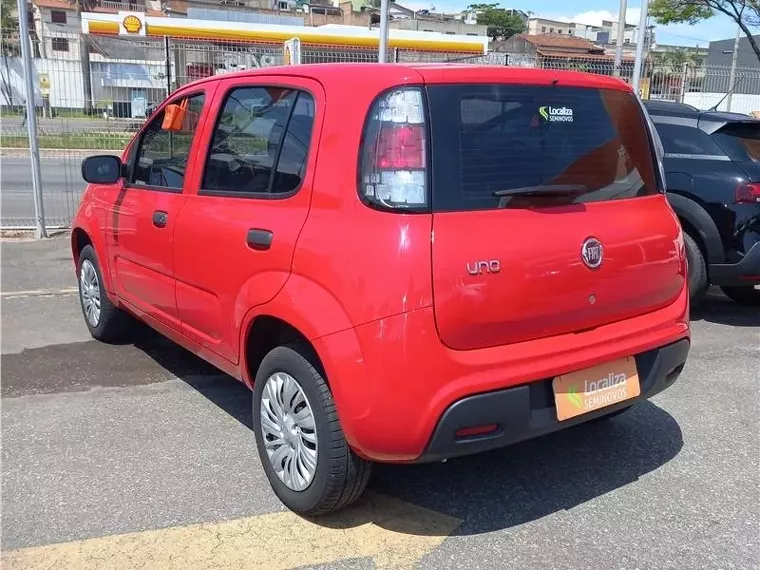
<point x="145" y="211"/>
<point x="237" y="232"/>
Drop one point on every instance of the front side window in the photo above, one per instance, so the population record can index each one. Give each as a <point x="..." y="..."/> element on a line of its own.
<point x="260" y="142"/>
<point x="162" y="154"/>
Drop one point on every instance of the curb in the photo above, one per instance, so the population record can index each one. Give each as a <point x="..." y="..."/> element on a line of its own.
<point x="59" y="152"/>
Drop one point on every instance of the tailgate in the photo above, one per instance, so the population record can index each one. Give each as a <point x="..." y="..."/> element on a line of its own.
<point x="548" y="216"/>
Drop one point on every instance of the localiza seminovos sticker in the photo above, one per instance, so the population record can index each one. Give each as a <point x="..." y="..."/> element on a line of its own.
<point x="556" y="114"/>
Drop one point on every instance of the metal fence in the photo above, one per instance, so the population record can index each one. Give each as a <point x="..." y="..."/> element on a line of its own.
<point x="93" y="93"/>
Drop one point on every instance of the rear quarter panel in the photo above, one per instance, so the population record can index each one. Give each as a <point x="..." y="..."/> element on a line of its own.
<point x="369" y="263"/>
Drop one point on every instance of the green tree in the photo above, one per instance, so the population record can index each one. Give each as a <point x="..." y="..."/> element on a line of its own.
<point x="501" y="23"/>
<point x="745" y="13"/>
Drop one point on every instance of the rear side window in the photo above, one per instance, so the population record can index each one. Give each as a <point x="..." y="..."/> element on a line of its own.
<point x="496" y="146"/>
<point x="260" y="142"/>
<point x="740" y="140"/>
<point x="679" y="139"/>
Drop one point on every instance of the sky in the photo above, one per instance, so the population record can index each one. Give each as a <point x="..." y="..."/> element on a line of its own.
<point x="593" y="11"/>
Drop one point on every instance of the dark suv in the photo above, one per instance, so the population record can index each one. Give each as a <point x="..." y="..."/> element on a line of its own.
<point x="712" y="167"/>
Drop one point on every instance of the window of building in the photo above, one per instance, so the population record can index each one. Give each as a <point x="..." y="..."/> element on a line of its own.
<point x="260" y="143"/>
<point x="551" y="30"/>
<point x="162" y="155"/>
<point x="58" y="17"/>
<point x="543" y="29"/>
<point x="59" y="44"/>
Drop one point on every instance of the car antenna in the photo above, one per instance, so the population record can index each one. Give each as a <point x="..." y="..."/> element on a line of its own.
<point x="734" y="86"/>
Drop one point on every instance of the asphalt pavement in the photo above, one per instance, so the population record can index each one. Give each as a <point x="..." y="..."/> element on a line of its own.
<point x="62" y="186"/>
<point x="141" y="456"/>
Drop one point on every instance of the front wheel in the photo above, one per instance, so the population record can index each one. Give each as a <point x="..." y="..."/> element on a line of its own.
<point x="305" y="456"/>
<point x="746" y="295"/>
<point x="103" y="319"/>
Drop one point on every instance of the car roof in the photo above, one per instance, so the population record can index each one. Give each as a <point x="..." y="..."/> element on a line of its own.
<point x="688" y="116"/>
<point x="430" y="73"/>
<point x="668" y="106"/>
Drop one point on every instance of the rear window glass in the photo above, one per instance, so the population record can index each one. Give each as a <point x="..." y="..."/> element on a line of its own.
<point x="557" y="145"/>
<point x="690" y="141"/>
<point x="741" y="140"/>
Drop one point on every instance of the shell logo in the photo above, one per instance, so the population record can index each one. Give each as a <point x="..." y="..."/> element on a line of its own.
<point x="132" y="24"/>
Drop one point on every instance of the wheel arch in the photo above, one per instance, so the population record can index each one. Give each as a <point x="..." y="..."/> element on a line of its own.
<point x="699" y="225"/>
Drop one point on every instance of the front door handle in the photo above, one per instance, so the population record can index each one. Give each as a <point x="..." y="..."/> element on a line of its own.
<point x="259" y="239"/>
<point x="160" y="218"/>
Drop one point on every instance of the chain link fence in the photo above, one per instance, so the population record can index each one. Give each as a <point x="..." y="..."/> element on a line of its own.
<point x="94" y="92"/>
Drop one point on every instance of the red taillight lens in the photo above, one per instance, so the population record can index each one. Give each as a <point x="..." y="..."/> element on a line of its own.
<point x="476" y="430"/>
<point x="393" y="170"/>
<point x="748" y="193"/>
<point x="401" y="147"/>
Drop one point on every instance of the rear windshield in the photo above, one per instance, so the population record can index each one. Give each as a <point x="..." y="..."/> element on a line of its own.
<point x="497" y="146"/>
<point x="740" y="140"/>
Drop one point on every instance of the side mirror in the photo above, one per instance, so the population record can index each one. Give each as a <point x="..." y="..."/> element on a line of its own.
<point x="102" y="169"/>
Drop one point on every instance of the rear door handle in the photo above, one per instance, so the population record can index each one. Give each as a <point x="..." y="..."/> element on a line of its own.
<point x="258" y="239"/>
<point x="160" y="218"/>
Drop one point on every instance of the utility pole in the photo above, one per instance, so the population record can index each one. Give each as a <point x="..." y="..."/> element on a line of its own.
<point x="31" y="117"/>
<point x="620" y="38"/>
<point x="732" y="74"/>
<point x="641" y="38"/>
<point x="382" y="56"/>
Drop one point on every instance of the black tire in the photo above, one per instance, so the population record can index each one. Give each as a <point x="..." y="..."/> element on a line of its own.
<point x="698" y="283"/>
<point x="746" y="295"/>
<point x="341" y="476"/>
<point x="113" y="325"/>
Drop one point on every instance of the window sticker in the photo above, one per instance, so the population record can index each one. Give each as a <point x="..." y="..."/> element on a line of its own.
<point x="556" y="114"/>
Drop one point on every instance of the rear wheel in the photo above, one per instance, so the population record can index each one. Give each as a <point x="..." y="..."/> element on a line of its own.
<point x="698" y="283"/>
<point x="104" y="321"/>
<point x="305" y="456"/>
<point x="746" y="295"/>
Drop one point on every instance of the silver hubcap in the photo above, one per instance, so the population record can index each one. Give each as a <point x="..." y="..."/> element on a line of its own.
<point x="89" y="292"/>
<point x="289" y="432"/>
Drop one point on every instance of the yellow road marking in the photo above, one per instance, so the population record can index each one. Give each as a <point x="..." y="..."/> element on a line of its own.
<point x="394" y="533"/>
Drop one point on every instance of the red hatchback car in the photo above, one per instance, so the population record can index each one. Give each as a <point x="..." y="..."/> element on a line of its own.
<point x="437" y="261"/>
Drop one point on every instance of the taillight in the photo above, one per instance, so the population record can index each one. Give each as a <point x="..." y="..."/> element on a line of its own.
<point x="748" y="193"/>
<point x="394" y="152"/>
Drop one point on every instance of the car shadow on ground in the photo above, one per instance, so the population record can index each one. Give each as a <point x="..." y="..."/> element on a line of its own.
<point x="490" y="491"/>
<point x="719" y="309"/>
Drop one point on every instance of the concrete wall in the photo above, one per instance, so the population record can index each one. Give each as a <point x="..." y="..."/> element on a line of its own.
<point x="446" y="27"/>
<point x="740" y="103"/>
<point x="66" y="87"/>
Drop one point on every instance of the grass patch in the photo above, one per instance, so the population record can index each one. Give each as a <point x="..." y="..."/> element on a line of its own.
<point x="90" y="141"/>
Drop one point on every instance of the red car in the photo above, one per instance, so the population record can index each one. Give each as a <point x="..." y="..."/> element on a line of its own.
<point x="404" y="263"/>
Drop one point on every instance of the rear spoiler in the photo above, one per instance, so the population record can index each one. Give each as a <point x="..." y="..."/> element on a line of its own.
<point x="713" y="122"/>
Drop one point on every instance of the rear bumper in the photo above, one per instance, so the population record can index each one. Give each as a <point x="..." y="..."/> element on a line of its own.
<point x="393" y="381"/>
<point x="745" y="272"/>
<point x="528" y="411"/>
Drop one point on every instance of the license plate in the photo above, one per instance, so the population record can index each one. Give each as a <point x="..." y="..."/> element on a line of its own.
<point x="595" y="388"/>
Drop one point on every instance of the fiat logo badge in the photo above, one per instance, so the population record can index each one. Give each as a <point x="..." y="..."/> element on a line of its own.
<point x="592" y="253"/>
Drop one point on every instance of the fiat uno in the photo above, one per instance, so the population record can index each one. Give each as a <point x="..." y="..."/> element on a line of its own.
<point x="438" y="261"/>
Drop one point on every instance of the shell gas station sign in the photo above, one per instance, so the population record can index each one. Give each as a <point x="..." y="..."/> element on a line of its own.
<point x="132" y="24"/>
<point x="138" y="24"/>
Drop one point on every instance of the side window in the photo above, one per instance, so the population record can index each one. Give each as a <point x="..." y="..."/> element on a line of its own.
<point x="162" y="155"/>
<point x="260" y="142"/>
<point x="678" y="139"/>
